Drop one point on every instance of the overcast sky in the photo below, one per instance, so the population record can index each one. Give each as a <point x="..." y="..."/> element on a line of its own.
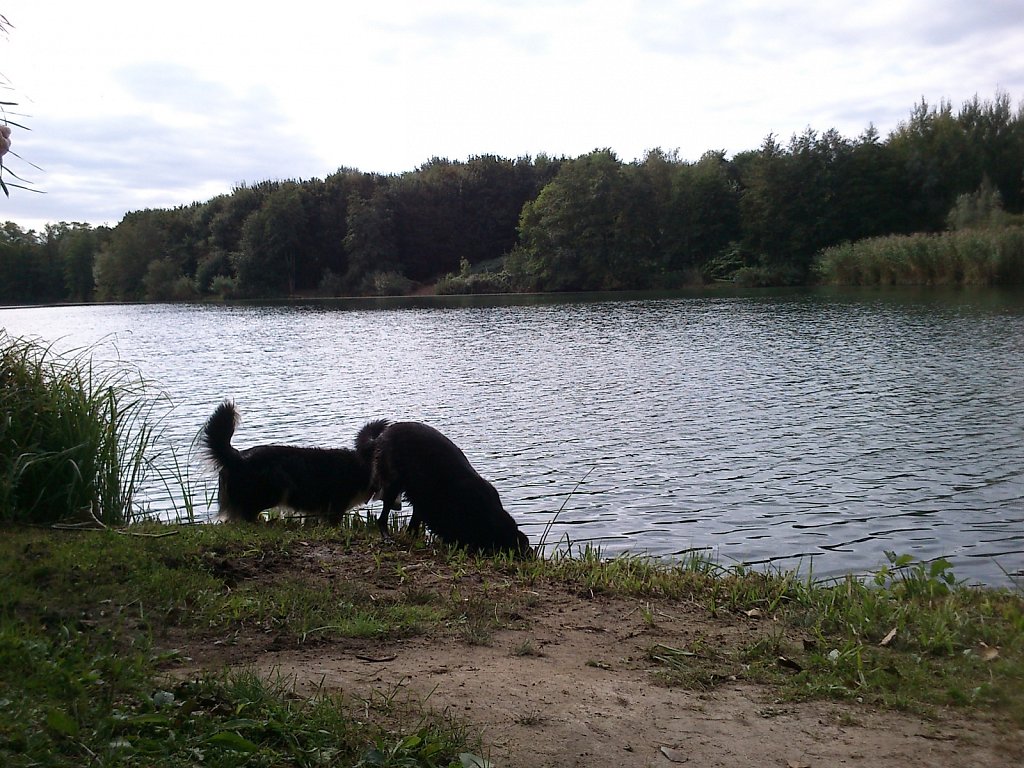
<point x="153" y="105"/>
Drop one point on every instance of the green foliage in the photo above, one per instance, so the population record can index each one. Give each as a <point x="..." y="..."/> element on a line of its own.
<point x="592" y="222"/>
<point x="214" y="264"/>
<point x="583" y="232"/>
<point x="272" y="239"/>
<point x="72" y="437"/>
<point x="387" y="284"/>
<point x="980" y="209"/>
<point x="122" y="263"/>
<point x="369" y="240"/>
<point x="78" y="249"/>
<point x="479" y="280"/>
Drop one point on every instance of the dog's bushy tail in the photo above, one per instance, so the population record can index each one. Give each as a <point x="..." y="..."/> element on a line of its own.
<point x="218" y="432"/>
<point x="367" y="436"/>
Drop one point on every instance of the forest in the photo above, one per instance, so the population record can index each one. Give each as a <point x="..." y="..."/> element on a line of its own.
<point x="819" y="208"/>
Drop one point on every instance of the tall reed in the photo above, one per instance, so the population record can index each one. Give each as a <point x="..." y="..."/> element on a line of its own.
<point x="988" y="257"/>
<point x="73" y="436"/>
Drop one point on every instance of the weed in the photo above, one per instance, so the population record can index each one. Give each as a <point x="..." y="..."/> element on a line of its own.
<point x="527" y="648"/>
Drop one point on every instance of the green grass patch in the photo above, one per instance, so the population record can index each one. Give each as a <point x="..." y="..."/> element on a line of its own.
<point x="82" y="614"/>
<point x="88" y="621"/>
<point x="70" y="700"/>
<point x="215" y="579"/>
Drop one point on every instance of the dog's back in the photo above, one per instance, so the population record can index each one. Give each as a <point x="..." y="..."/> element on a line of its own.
<point x="323" y="481"/>
<point x="446" y="492"/>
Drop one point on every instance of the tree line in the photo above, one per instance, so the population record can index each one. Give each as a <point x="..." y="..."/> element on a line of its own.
<point x="490" y="223"/>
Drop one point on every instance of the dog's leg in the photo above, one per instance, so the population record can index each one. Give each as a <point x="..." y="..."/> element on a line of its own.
<point x="415" y="522"/>
<point x="389" y="496"/>
<point x="382" y="521"/>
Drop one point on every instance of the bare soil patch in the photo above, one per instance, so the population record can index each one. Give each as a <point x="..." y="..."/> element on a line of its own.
<point x="560" y="677"/>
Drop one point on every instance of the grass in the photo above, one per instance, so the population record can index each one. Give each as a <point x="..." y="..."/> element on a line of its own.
<point x="84" y="614"/>
<point x="90" y="704"/>
<point x="89" y="621"/>
<point x="73" y="436"/>
<point x="980" y="257"/>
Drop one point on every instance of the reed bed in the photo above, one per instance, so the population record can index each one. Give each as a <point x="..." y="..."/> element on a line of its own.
<point x="73" y="436"/>
<point x="975" y="257"/>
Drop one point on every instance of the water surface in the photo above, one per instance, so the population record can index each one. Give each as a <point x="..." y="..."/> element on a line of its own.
<point x="797" y="428"/>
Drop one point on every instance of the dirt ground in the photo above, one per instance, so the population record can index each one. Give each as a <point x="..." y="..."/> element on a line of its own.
<point x="569" y="679"/>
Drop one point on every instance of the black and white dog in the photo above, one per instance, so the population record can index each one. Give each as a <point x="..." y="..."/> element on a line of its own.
<point x="326" y="482"/>
<point x="446" y="493"/>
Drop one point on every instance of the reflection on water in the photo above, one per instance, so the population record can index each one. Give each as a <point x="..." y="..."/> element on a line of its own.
<point x="811" y="429"/>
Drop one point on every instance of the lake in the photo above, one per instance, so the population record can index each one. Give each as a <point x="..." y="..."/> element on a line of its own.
<point x="810" y="429"/>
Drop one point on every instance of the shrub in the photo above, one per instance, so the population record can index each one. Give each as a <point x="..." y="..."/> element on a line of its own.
<point x="224" y="286"/>
<point x="483" y="282"/>
<point x="389" y="284"/>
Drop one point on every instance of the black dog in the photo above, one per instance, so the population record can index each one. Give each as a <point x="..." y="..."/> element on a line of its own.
<point x="326" y="482"/>
<point x="446" y="493"/>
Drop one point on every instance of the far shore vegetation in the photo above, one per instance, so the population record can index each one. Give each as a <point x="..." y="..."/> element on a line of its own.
<point x="939" y="201"/>
<point x="99" y="609"/>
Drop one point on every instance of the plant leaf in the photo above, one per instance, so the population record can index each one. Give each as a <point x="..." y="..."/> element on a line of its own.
<point x="62" y="723"/>
<point x="232" y="740"/>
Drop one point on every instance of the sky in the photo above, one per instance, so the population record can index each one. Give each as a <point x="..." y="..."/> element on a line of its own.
<point x="135" y="105"/>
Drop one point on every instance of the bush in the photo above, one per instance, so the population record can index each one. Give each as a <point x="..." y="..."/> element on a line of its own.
<point x="484" y="282"/>
<point x="72" y="439"/>
<point x="389" y="284"/>
<point x="331" y="284"/>
<point x="224" y="286"/>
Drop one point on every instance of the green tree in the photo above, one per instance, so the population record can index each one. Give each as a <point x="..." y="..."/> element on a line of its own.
<point x="790" y="203"/>
<point x="78" y="248"/>
<point x="123" y="261"/>
<point x="369" y="240"/>
<point x="703" y="213"/>
<point x="19" y="279"/>
<point x="995" y="134"/>
<point x="938" y="163"/>
<point x="271" y="243"/>
<point x="582" y="233"/>
<point x="426" y="206"/>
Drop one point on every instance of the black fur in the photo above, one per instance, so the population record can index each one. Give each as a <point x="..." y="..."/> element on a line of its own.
<point x="446" y="493"/>
<point x="326" y="482"/>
